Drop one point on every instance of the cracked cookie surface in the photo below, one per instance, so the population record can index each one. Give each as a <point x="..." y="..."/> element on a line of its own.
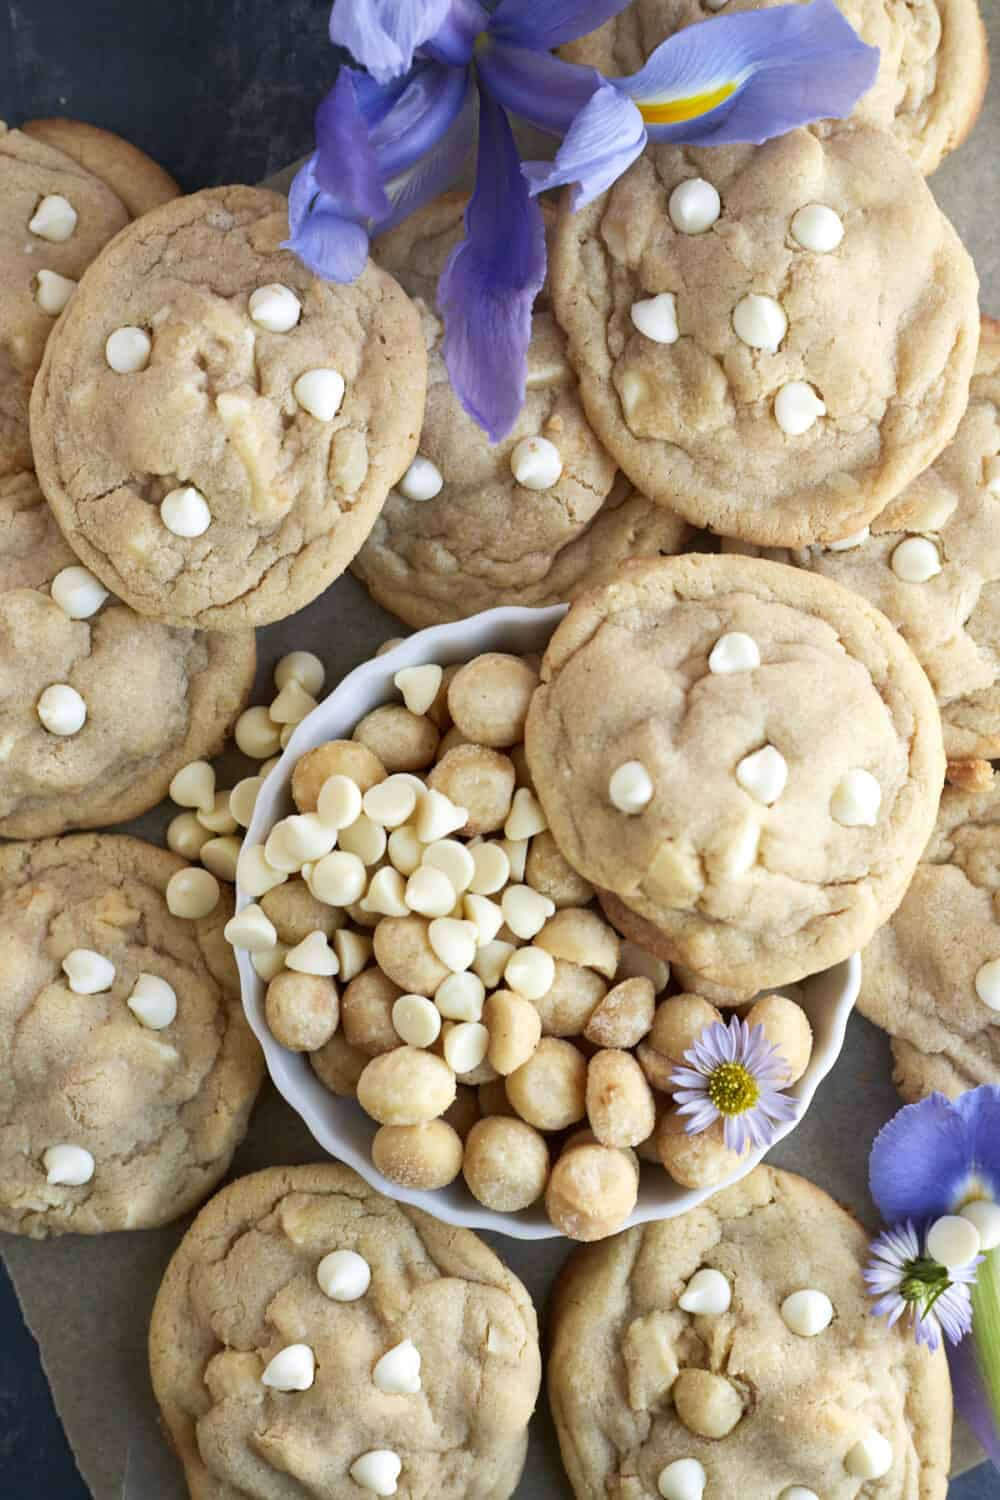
<point x="157" y="697"/>
<point x="789" y="762"/>
<point x="692" y="414"/>
<point x="624" y="1357"/>
<point x="922" y="974"/>
<point x="287" y="496"/>
<point x="484" y="540"/>
<point x="933" y="69"/>
<point x="160" y="1111"/>
<point x="243" y="1286"/>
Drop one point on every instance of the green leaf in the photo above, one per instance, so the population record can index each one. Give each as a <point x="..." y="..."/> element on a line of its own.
<point x="986" y="1328"/>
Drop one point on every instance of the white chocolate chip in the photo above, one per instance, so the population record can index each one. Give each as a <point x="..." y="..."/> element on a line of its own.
<point x="319" y="392"/>
<point x="486" y="914"/>
<point x="243" y="799"/>
<point x="194" y="786"/>
<point x="221" y="855"/>
<point x="708" y="1293"/>
<point x="656" y="318"/>
<point x="127" y="350"/>
<point x="365" y="839"/>
<point x="313" y="956"/>
<point x="405" y="850"/>
<point x="339" y="879"/>
<point x="192" y="894"/>
<point x="61" y="710"/>
<point x="78" y="593"/>
<point x="856" y="800"/>
<point x="254" y="875"/>
<point x="292" y="705"/>
<point x="491" y="960"/>
<point x="339" y="803"/>
<point x="251" y="929"/>
<point x="68" y="1166"/>
<point x="991" y="474"/>
<point x="377" y="1471"/>
<point x="391" y="802"/>
<point x="848" y="543"/>
<point x="916" y="560"/>
<point x="454" y="859"/>
<point x="185" y="835"/>
<point x="397" y="1373"/>
<point x="526" y="911"/>
<point x="630" y="788"/>
<point x="257" y="735"/>
<point x="516" y="851"/>
<point x="185" y="513"/>
<point x="985" y="1218"/>
<point x="300" y="839"/>
<point x="465" y="1046"/>
<point x="818" y="228"/>
<point x="293" y="1369"/>
<point x="530" y="972"/>
<point x="716" y="4"/>
<point x="760" y="322"/>
<point x="684" y="1479"/>
<point x="953" y="1241"/>
<point x="807" y="1313"/>
<point x="536" y="463"/>
<point x="419" y="686"/>
<point x="275" y="308"/>
<point x="301" y="667"/>
<point x="353" y="950"/>
<point x="430" y="892"/>
<point x="524" y="820"/>
<point x="88" y="973"/>
<point x="454" y="942"/>
<point x="461" y="997"/>
<point x="694" y="206"/>
<point x="870" y="1458"/>
<point x="218" y="818"/>
<point x="734" y="652"/>
<point x="422" y="481"/>
<point x="417" y="1020"/>
<point x="763" y="774"/>
<point x="53" y="292"/>
<point x="492" y="869"/>
<point x="386" y="895"/>
<point x="54" y="219"/>
<point x="153" y="1001"/>
<point x="797" y="407"/>
<point x="798" y="1492"/>
<point x="437" y="816"/>
<point x="343" y="1276"/>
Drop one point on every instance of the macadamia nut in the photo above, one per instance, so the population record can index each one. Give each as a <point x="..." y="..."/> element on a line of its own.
<point x="301" y="1010"/>
<point x="581" y="937"/>
<point x="570" y="1000"/>
<point x="550" y="1089"/>
<point x="592" y="1191"/>
<point x="480" y="780"/>
<point x="620" y="1104"/>
<point x="406" y="1087"/>
<point x="677" y="1025"/>
<point x="403" y="951"/>
<point x="400" y="740"/>
<point x="787" y="1028"/>
<point x="515" y="1029"/>
<point x="624" y="1016"/>
<point x="694" y="1161"/>
<point x="548" y="872"/>
<point x="366" y="1012"/>
<point x="339" y="1066"/>
<point x="418" y="1156"/>
<point x="296" y="912"/>
<point x="488" y="699"/>
<point x="336" y="758"/>
<point x="506" y="1164"/>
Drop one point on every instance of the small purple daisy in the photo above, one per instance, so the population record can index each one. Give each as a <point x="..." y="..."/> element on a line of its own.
<point x="735" y="1075"/>
<point x="905" y="1281"/>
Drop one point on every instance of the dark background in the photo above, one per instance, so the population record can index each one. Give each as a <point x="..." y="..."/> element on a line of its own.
<point x="216" y="91"/>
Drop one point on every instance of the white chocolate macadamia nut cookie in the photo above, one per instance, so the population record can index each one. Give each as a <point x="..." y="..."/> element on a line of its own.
<point x="933" y="63"/>
<point x="134" y="729"/>
<point x="67" y="189"/>
<point x="931" y="563"/>
<point x="474" y="525"/>
<point x="184" y="426"/>
<point x="129" y="1069"/>
<point x="931" y="976"/>
<point x="760" y="421"/>
<point x="791" y="799"/>
<point x="311" y="1336"/>
<point x="673" y="1357"/>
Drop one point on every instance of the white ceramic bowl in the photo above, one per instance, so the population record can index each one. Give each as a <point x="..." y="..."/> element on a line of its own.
<point x="340" y="1125"/>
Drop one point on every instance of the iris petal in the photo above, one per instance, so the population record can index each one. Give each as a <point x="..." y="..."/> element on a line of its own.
<point x="455" y="39"/>
<point x="330" y="245"/>
<point x="383" y="35"/>
<point x="544" y="24"/>
<point x="540" y="88"/>
<point x="437" y="169"/>
<point x="603" y="142"/>
<point x="490" y="283"/>
<point x="971" y="1399"/>
<point x="923" y="1158"/>
<point x="346" y="162"/>
<point x="425" y="110"/>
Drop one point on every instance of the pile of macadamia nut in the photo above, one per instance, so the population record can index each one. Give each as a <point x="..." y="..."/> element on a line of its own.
<point x="425" y="941"/>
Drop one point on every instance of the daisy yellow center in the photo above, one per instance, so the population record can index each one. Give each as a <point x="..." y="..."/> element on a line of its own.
<point x="732" y="1088"/>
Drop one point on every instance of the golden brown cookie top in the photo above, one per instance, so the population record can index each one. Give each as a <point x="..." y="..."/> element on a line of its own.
<point x="139" y="182"/>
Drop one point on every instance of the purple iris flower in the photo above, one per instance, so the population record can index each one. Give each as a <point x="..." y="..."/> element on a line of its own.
<point x="392" y="137"/>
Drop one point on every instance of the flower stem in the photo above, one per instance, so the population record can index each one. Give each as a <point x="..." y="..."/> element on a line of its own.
<point x="986" y="1329"/>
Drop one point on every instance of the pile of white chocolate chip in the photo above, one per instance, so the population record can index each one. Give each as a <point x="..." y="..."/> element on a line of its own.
<point x="427" y="944"/>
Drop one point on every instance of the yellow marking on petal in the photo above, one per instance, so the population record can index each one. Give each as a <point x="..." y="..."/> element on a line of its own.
<point x="687" y="107"/>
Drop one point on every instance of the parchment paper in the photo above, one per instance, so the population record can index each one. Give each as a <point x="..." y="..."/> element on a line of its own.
<point x="88" y="1300"/>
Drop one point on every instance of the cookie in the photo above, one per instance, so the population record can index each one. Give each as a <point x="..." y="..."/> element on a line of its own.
<point x="129" y="1070"/>
<point x="719" y="365"/>
<point x="312" y="1337"/>
<point x="728" y="1390"/>
<point x="933" y="70"/>
<point x="461" y="533"/>
<point x="748" y="757"/>
<point x="135" y="177"/>
<point x="215" y="428"/>
<point x="931" y="976"/>
<point x="155" y="697"/>
<point x="931" y="563"/>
